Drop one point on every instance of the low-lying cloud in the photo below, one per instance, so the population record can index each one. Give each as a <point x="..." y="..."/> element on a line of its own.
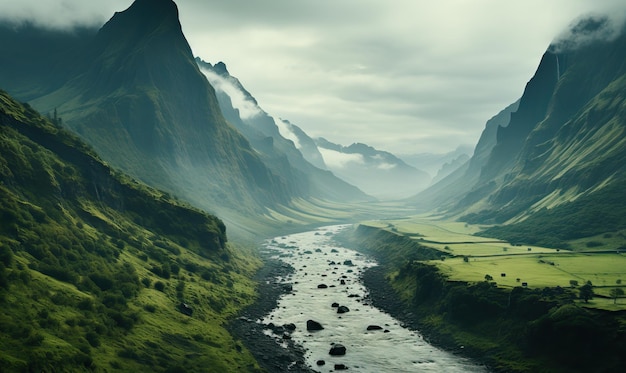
<point x="246" y="107"/>
<point x="338" y="160"/>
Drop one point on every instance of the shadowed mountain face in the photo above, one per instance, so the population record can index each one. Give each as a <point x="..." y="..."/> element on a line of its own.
<point x="563" y="151"/>
<point x="137" y="95"/>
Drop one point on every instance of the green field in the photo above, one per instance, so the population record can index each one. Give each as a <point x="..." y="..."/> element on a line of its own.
<point x="511" y="265"/>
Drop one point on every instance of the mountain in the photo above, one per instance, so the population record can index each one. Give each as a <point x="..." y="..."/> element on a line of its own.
<point x="134" y="92"/>
<point x="557" y="171"/>
<point x="378" y="173"/>
<point x="433" y="163"/>
<point x="99" y="272"/>
<point x="445" y="193"/>
<point x="303" y="142"/>
<point x="451" y="166"/>
<point x="278" y="142"/>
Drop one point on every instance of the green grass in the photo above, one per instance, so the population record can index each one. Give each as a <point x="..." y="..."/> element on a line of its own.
<point x="538" y="267"/>
<point x="83" y="249"/>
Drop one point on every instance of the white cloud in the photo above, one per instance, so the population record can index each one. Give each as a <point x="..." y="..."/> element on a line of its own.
<point x="247" y="108"/>
<point x="285" y="131"/>
<point x="385" y="166"/>
<point x="338" y="160"/>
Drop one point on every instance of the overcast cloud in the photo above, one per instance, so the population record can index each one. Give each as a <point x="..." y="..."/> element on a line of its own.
<point x="406" y="76"/>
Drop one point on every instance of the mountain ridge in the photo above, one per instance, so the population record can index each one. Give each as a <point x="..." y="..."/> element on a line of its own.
<point x="563" y="147"/>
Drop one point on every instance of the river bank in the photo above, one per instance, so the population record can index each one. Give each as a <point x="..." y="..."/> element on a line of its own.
<point x="270" y="355"/>
<point x="383" y="296"/>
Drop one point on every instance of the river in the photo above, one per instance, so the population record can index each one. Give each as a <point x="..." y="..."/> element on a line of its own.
<point x="325" y="274"/>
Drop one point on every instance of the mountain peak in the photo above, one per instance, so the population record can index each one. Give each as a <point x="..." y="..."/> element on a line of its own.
<point x="154" y="9"/>
<point x="146" y="15"/>
<point x="220" y="68"/>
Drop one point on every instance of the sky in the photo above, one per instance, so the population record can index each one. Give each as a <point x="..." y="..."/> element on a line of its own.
<point x="404" y="76"/>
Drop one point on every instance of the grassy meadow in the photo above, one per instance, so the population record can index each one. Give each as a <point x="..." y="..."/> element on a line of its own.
<point x="510" y="264"/>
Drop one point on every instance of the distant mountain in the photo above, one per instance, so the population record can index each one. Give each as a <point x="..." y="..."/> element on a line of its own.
<point x="557" y="171"/>
<point x="280" y="144"/>
<point x="378" y="173"/>
<point x="451" y="166"/>
<point x="433" y="163"/>
<point x="95" y="268"/>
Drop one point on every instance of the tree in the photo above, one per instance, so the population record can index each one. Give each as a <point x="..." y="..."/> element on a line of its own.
<point x="615" y="293"/>
<point x="573" y="283"/>
<point x="586" y="292"/>
<point x="488" y="278"/>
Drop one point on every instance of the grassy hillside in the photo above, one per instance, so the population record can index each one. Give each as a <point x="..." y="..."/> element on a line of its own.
<point x="516" y="308"/>
<point x="96" y="269"/>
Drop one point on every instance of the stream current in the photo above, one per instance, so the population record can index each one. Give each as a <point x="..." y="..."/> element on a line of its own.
<point x="326" y="273"/>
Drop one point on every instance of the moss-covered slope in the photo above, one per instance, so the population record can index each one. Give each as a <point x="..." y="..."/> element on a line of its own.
<point x="95" y="267"/>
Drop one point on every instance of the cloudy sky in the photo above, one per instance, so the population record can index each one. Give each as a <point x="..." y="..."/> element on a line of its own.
<point x="406" y="76"/>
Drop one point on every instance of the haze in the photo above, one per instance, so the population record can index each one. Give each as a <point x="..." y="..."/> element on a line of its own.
<point x="405" y="77"/>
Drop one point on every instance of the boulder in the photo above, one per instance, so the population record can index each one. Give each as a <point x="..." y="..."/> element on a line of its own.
<point x="337" y="350"/>
<point x="312" y="325"/>
<point x="290" y="326"/>
<point x="320" y="363"/>
<point x="342" y="309"/>
<point x="348" y="263"/>
<point x="185" y="309"/>
<point x="340" y="367"/>
<point x="322" y="286"/>
<point x="335" y="305"/>
<point x="374" y="327"/>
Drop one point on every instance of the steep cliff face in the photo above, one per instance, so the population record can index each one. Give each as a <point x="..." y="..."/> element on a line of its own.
<point x="138" y="97"/>
<point x="453" y="190"/>
<point x="577" y="147"/>
<point x="564" y="145"/>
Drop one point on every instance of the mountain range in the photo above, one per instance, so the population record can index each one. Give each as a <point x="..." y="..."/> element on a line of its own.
<point x="282" y="154"/>
<point x="134" y="91"/>
<point x="551" y="167"/>
<point x="376" y="172"/>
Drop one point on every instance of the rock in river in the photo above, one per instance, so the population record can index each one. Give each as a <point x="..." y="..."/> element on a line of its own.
<point x="312" y="325"/>
<point x="337" y="350"/>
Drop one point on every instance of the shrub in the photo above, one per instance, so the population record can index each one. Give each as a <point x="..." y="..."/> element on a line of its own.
<point x="160" y="286"/>
<point x="146" y="282"/>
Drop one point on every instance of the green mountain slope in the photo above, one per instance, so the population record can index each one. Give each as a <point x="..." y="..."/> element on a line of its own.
<point x="557" y="170"/>
<point x="137" y="96"/>
<point x="95" y="268"/>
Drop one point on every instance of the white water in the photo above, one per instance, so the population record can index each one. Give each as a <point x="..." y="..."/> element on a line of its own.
<point x="398" y="350"/>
